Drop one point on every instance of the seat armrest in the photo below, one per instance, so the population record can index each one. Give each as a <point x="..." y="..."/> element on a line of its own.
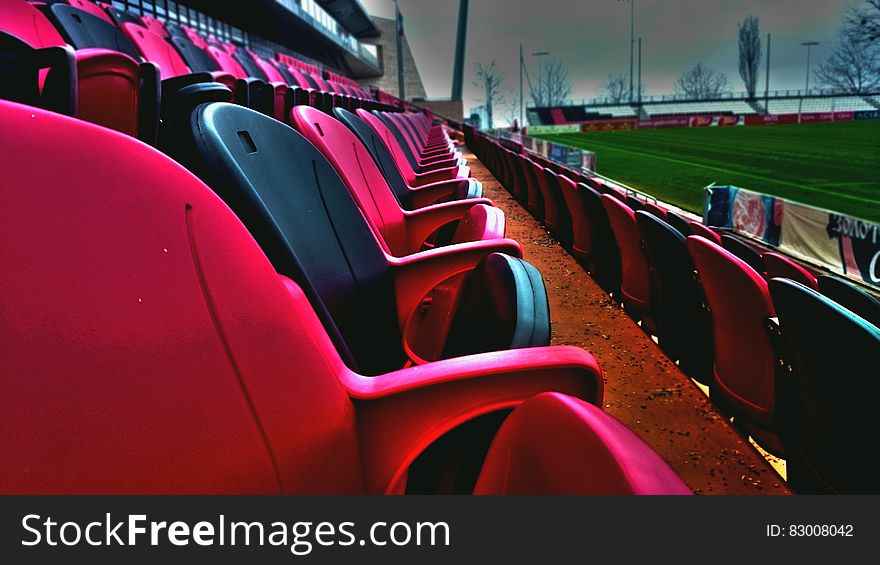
<point x="442" y="175"/>
<point x="437" y="192"/>
<point x="417" y="274"/>
<point x="401" y="413"/>
<point x="423" y="222"/>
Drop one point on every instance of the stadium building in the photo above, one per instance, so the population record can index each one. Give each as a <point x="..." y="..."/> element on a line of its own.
<point x="237" y="261"/>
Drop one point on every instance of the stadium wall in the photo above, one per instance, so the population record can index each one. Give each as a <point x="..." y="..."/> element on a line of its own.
<point x="704" y="120"/>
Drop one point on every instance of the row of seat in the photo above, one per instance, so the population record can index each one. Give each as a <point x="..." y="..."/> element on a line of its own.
<point x="726" y="312"/>
<point x="122" y="71"/>
<point x="345" y="306"/>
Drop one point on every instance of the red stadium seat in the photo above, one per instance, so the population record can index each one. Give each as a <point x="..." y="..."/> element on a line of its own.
<point x="401" y="232"/>
<point x="91" y="8"/>
<point x="154" y="48"/>
<point x="112" y="89"/>
<point x="307" y="221"/>
<point x="609" y="458"/>
<point x="745" y="356"/>
<point x="781" y="266"/>
<point x="703" y="230"/>
<point x="412" y="178"/>
<point x="166" y="355"/>
<point x="635" y="285"/>
<point x="409" y="197"/>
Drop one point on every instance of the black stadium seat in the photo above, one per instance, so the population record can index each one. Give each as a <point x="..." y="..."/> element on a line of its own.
<point x="684" y="324"/>
<point x="305" y="219"/>
<point x="195" y="57"/>
<point x="744" y="251"/>
<point x="83" y="30"/>
<point x="834" y="355"/>
<point x="850" y="297"/>
<point x="465" y="188"/>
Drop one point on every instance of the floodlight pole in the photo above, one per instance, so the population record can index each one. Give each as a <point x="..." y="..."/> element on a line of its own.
<point x="521" y="64"/>
<point x="808" y="45"/>
<point x="632" y="15"/>
<point x="640" y="76"/>
<point x="767" y="78"/>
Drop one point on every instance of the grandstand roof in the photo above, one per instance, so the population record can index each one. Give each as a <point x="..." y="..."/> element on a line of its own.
<point x="353" y="17"/>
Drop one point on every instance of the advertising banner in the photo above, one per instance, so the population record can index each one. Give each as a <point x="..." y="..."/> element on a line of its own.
<point x="608" y="125"/>
<point x="665" y="122"/>
<point x="843" y="244"/>
<point x="710" y="120"/>
<point x="866" y="115"/>
<point x="551" y="130"/>
<point x="769" y="119"/>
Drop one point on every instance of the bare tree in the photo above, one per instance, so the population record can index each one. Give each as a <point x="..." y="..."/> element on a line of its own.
<point x="489" y="78"/>
<point x="701" y="82"/>
<point x="863" y="22"/>
<point x="749" y="53"/>
<point x="553" y="86"/>
<point x="853" y="66"/>
<point x="616" y="89"/>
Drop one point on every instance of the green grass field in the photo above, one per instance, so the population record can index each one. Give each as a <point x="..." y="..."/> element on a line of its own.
<point x="834" y="166"/>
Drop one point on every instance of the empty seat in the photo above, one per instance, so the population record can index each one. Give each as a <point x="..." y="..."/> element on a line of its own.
<point x="111" y="88"/>
<point x="678" y="222"/>
<point x="635" y="281"/>
<point x="781" y="266"/>
<point x="678" y="306"/>
<point x="306" y="220"/>
<point x="401" y="232"/>
<point x="155" y="49"/>
<point x="745" y="366"/>
<point x="412" y="177"/>
<point x="834" y="354"/>
<point x="745" y="252"/>
<point x="556" y="216"/>
<point x="166" y="355"/>
<point x="608" y="459"/>
<point x="702" y="230"/>
<point x="850" y="297"/>
<point x="91" y="8"/>
<point x="409" y="197"/>
<point x="83" y="30"/>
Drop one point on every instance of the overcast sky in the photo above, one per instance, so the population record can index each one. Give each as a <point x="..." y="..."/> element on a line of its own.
<point x="591" y="37"/>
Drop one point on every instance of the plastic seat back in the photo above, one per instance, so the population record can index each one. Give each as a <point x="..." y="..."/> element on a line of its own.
<point x="609" y="458"/>
<point x="226" y="62"/>
<point x="635" y="278"/>
<point x="582" y="243"/>
<point x="27" y="23"/>
<point x="678" y="306"/>
<point x="84" y="30"/>
<point x="562" y="225"/>
<point x="745" y="360"/>
<point x="850" y="297"/>
<point x="380" y="153"/>
<point x="196" y="58"/>
<point x="781" y="266"/>
<point x="91" y="8"/>
<point x="702" y="230"/>
<point x="745" y="252"/>
<point x="164" y="355"/>
<point x="305" y="219"/>
<point x="360" y="173"/>
<point x="605" y="261"/>
<point x="678" y="222"/>
<point x="156" y="50"/>
<point x="834" y="353"/>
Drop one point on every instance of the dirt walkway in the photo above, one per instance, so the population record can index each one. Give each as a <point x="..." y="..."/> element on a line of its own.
<point x="643" y="389"/>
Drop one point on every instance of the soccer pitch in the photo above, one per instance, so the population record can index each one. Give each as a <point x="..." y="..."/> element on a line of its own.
<point x="830" y="165"/>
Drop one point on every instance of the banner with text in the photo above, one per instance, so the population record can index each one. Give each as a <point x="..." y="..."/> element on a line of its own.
<point x="844" y="244"/>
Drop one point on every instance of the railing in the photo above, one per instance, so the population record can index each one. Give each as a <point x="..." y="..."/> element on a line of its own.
<point x="726" y="96"/>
